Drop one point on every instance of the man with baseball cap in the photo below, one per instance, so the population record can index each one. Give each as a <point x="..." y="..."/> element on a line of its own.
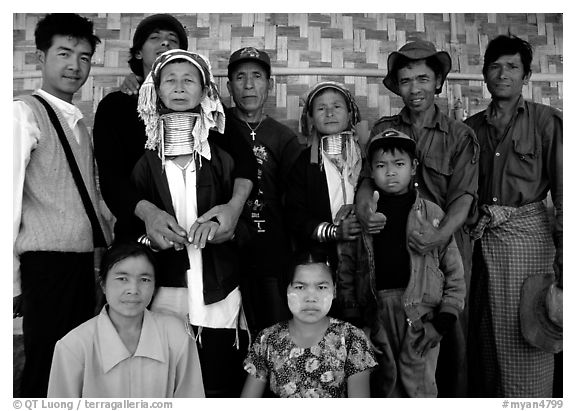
<point x="447" y="151"/>
<point x="276" y="149"/>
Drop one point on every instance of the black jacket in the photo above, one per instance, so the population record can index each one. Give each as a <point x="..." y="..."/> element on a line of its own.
<point x="214" y="185"/>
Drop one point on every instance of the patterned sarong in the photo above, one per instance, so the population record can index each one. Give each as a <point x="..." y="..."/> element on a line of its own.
<point x="515" y="243"/>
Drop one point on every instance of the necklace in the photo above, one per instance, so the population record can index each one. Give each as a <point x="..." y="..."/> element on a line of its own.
<point x="253" y="130"/>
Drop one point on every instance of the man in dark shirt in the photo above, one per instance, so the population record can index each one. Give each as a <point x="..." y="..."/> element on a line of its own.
<point x="520" y="163"/>
<point x="276" y="149"/>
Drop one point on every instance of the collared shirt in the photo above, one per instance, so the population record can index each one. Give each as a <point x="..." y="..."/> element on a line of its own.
<point x="525" y="163"/>
<point x="26" y="134"/>
<point x="224" y="313"/>
<point x="520" y="167"/>
<point x="92" y="361"/>
<point x="447" y="151"/>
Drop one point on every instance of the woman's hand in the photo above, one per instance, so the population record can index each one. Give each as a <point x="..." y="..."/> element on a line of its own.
<point x="202" y="233"/>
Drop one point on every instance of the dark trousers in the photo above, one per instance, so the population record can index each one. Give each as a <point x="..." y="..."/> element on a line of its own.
<point x="264" y="301"/>
<point x="58" y="295"/>
<point x="452" y="368"/>
<point x="221" y="361"/>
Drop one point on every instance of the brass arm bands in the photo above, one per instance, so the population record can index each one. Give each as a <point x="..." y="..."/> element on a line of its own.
<point x="325" y="232"/>
<point x="145" y="240"/>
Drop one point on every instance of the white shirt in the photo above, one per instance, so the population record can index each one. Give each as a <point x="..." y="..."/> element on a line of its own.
<point x="340" y="190"/>
<point x="224" y="313"/>
<point x="92" y="361"/>
<point x="25" y="138"/>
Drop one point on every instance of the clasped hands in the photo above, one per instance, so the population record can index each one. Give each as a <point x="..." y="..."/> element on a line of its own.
<point x="215" y="226"/>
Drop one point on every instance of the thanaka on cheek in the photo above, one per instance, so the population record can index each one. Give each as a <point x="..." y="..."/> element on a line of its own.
<point x="323" y="302"/>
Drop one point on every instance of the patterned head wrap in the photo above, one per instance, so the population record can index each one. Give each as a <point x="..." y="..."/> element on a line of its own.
<point x="306" y="124"/>
<point x="350" y="147"/>
<point x="156" y="117"/>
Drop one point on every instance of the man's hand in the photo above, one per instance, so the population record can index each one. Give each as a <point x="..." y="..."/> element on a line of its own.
<point x="427" y="237"/>
<point x="370" y="220"/>
<point x="131" y="84"/>
<point x="348" y="229"/>
<point x="162" y="228"/>
<point x="17" y="306"/>
<point x="202" y="233"/>
<point x="227" y="214"/>
<point x="429" y="338"/>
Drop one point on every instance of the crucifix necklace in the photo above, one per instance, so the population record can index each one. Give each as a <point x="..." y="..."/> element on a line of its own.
<point x="253" y="130"/>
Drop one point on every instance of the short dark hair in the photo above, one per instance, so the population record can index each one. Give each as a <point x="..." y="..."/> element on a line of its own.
<point x="307" y="257"/>
<point x="64" y="24"/>
<point x="389" y="146"/>
<point x="119" y="251"/>
<point x="149" y="25"/>
<point x="432" y="62"/>
<point x="506" y="45"/>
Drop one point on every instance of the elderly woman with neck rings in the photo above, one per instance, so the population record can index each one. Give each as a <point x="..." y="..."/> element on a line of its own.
<point x="185" y="174"/>
<point x="323" y="180"/>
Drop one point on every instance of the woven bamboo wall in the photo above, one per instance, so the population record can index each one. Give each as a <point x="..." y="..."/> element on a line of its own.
<point x="324" y="41"/>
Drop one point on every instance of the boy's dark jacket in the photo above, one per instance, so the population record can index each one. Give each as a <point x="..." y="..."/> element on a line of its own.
<point x="214" y="185"/>
<point x="436" y="278"/>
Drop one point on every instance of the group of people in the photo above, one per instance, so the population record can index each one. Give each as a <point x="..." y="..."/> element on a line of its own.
<point x="243" y="263"/>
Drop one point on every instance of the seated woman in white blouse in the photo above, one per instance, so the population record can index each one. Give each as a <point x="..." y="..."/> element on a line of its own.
<point x="127" y="351"/>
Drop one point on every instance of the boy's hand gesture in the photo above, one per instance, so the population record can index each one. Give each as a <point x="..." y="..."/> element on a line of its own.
<point x="430" y="338"/>
<point x="373" y="221"/>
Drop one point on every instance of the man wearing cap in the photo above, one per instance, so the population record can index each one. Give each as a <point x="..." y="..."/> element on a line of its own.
<point x="447" y="151"/>
<point x="120" y="137"/>
<point x="520" y="162"/>
<point x="276" y="149"/>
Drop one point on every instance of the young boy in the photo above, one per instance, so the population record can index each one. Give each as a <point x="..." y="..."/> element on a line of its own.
<point x="185" y="174"/>
<point x="407" y="300"/>
<point x="53" y="246"/>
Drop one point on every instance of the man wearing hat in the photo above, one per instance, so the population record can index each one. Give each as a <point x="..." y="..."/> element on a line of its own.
<point x="447" y="151"/>
<point x="276" y="149"/>
<point x="120" y="137"/>
<point x="520" y="163"/>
